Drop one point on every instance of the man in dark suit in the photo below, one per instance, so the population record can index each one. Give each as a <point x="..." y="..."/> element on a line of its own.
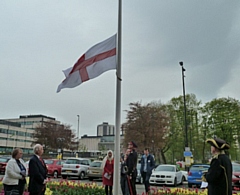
<point x="123" y="180"/>
<point x="37" y="172"/>
<point x="131" y="164"/>
<point x="147" y="165"/>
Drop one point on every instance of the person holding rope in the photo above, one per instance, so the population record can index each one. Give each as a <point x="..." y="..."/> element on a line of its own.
<point x="124" y="170"/>
<point x="131" y="164"/>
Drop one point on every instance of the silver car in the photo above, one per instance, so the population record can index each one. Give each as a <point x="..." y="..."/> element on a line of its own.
<point x="75" y="167"/>
<point x="139" y="178"/>
<point x="95" y="170"/>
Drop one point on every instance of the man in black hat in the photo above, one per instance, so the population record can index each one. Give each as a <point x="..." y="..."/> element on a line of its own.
<point x="219" y="175"/>
<point x="131" y="163"/>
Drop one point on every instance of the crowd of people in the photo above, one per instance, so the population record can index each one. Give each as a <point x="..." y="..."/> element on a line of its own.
<point x="219" y="175"/>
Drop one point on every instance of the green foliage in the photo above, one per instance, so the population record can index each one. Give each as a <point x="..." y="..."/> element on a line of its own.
<point x="219" y="117"/>
<point x="177" y="134"/>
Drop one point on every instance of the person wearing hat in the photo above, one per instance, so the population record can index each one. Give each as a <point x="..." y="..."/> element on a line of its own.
<point x="219" y="175"/>
<point x="131" y="164"/>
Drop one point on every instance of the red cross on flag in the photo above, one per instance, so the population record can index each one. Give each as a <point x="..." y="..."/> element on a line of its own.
<point x="97" y="60"/>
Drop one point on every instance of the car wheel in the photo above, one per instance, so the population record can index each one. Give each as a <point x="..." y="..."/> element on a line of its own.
<point x="189" y="185"/>
<point x="64" y="176"/>
<point x="82" y="175"/>
<point x="55" y="174"/>
<point x="175" y="182"/>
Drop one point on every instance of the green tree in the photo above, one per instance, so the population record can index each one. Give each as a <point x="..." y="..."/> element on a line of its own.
<point x="221" y="118"/>
<point x="177" y="135"/>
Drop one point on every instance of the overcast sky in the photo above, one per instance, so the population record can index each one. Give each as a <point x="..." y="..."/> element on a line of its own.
<point x="39" y="39"/>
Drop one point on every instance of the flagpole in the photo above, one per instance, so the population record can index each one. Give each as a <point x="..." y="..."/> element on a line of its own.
<point x="116" y="178"/>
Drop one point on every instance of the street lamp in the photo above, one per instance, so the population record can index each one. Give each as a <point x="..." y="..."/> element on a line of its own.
<point x="78" y="132"/>
<point x="185" y="109"/>
<point x="60" y="140"/>
<point x="14" y="143"/>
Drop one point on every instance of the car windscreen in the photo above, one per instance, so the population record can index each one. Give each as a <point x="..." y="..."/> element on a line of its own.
<point x="165" y="168"/>
<point x="236" y="168"/>
<point x="4" y="160"/>
<point x="48" y="162"/>
<point x="95" y="164"/>
<point x="199" y="168"/>
<point x="72" y="161"/>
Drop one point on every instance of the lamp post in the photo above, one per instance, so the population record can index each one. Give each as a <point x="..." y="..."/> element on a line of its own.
<point x="184" y="102"/>
<point x="60" y="140"/>
<point x="78" y="132"/>
<point x="14" y="143"/>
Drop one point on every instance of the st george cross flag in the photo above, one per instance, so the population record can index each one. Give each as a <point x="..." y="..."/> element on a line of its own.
<point x="98" y="59"/>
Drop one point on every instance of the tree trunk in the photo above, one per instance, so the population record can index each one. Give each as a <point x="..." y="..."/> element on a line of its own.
<point x="163" y="157"/>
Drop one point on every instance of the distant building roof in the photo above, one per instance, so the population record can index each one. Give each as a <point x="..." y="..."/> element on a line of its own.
<point x="36" y="116"/>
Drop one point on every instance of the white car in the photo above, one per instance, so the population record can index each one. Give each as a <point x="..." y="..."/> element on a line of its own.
<point x="75" y="167"/>
<point x="185" y="175"/>
<point x="167" y="175"/>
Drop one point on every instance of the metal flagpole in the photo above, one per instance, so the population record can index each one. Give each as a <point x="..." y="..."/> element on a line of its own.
<point x="116" y="178"/>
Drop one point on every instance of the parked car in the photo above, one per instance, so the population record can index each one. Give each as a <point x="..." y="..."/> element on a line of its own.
<point x="185" y="175"/>
<point x="139" y="178"/>
<point x="236" y="175"/>
<point x="167" y="174"/>
<point x="75" y="167"/>
<point x="94" y="170"/>
<point x="27" y="166"/>
<point x="54" y="167"/>
<point x="3" y="163"/>
<point x="195" y="174"/>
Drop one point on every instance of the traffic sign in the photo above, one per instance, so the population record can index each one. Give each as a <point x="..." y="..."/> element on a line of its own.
<point x="187" y="153"/>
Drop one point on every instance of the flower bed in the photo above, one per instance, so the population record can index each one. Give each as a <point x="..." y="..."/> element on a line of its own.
<point x="65" y="187"/>
<point x="179" y="191"/>
<point x="183" y="191"/>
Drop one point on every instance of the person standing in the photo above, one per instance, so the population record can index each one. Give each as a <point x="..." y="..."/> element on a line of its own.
<point x="37" y="172"/>
<point x="219" y="175"/>
<point x="15" y="174"/>
<point x="124" y="184"/>
<point x="108" y="169"/>
<point x="131" y="164"/>
<point x="147" y="165"/>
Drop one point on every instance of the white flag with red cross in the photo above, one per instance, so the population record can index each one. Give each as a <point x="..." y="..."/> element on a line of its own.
<point x="97" y="60"/>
